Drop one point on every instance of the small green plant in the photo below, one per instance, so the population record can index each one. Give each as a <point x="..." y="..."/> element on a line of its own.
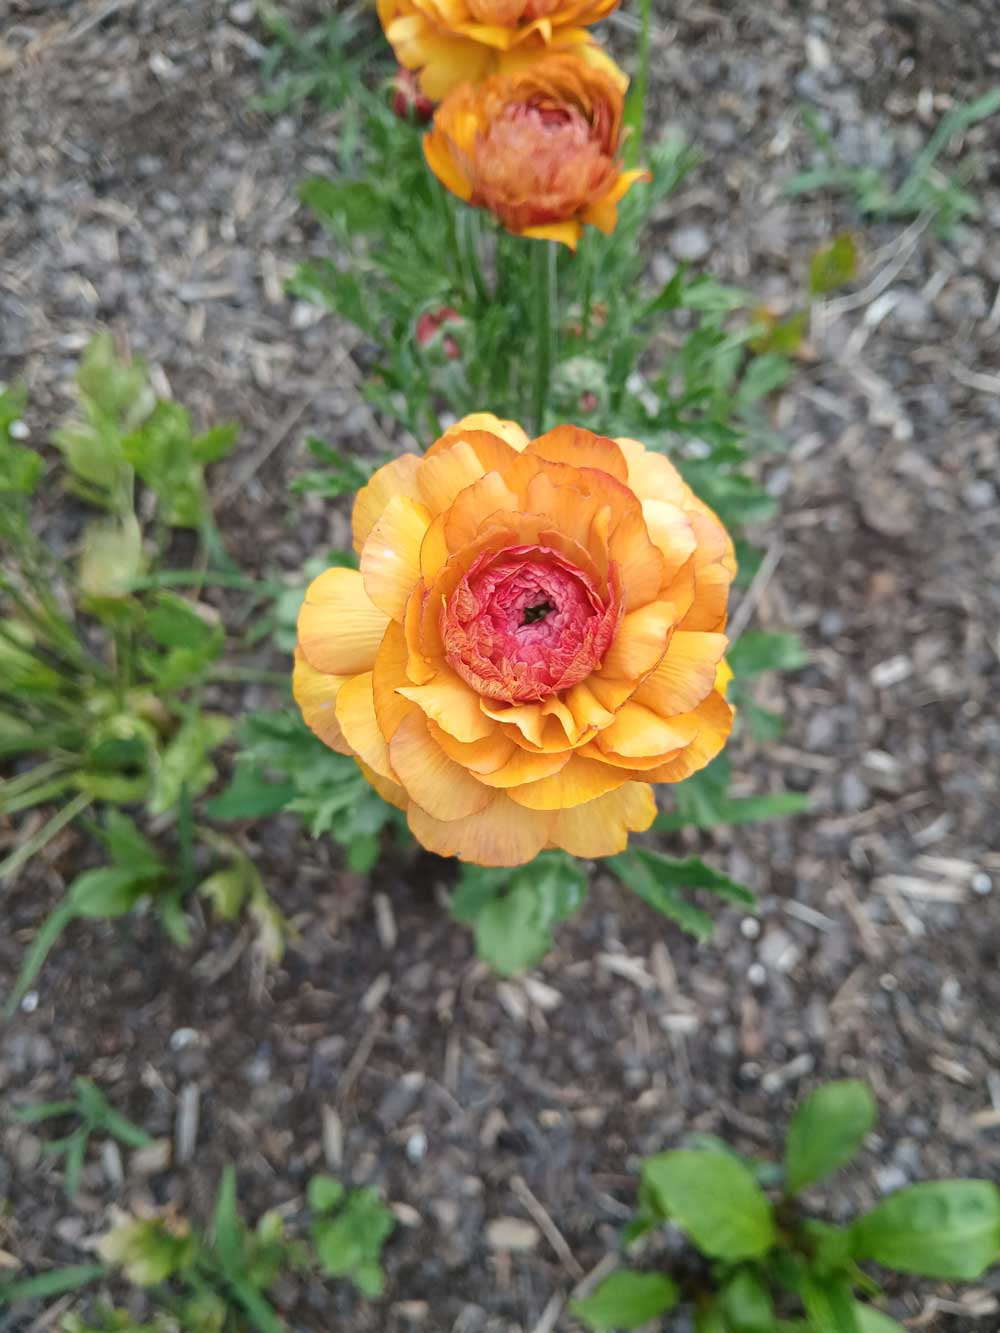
<point x="102" y="671"/>
<point x="925" y="189"/>
<point x="762" y="1264"/>
<point x="281" y="766"/>
<point x="204" y="862"/>
<point x="348" y="1231"/>
<point x="218" y="1281"/>
<point x="96" y="1116"/>
<point x="99" y="683"/>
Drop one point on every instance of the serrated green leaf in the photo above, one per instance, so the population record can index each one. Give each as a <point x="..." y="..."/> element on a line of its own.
<point x="510" y="934"/>
<point x="826" y="1131"/>
<point x="627" y="1300"/>
<point x="941" y="1229"/>
<point x="715" y="1200"/>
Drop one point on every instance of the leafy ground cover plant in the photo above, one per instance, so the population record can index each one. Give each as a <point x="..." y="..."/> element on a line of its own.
<point x="926" y="188"/>
<point x="95" y="1116"/>
<point x="760" y="1263"/>
<point x="102" y="671"/>
<point x="218" y="1281"/>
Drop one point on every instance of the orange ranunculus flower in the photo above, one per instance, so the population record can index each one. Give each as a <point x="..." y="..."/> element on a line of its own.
<point x="534" y="636"/>
<point x="452" y="42"/>
<point x="539" y="149"/>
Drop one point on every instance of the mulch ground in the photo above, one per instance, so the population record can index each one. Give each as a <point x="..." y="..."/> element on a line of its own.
<point x="140" y="189"/>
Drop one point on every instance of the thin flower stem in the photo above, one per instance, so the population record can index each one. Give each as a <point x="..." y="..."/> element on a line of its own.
<point x="546" y="326"/>
<point x="469" y="225"/>
<point x="636" y="113"/>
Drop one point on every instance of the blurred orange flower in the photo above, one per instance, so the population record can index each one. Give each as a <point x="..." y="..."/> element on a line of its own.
<point x="452" y="42"/>
<point x="534" y="636"/>
<point x="539" y="149"/>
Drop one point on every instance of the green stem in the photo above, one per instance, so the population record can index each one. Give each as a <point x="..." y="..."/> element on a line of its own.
<point x="546" y="326"/>
<point x="469" y="231"/>
<point x="27" y="849"/>
<point x="587" y="300"/>
<point x="635" y="116"/>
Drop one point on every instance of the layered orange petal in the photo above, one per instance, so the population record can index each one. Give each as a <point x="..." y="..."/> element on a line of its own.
<point x="395" y="478"/>
<point x="601" y="827"/>
<point x="316" y="695"/>
<point x="339" y="627"/>
<point x="436" y="783"/>
<point x="501" y="834"/>
<point x="390" y="558"/>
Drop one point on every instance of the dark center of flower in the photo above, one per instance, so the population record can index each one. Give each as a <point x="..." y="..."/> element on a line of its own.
<point x="534" y="613"/>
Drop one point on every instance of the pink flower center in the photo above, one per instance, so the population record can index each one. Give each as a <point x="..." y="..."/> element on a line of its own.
<point x="526" y="623"/>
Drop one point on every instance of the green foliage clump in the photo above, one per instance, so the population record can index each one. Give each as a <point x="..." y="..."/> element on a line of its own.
<point x="761" y="1264"/>
<point x="219" y="1281"/>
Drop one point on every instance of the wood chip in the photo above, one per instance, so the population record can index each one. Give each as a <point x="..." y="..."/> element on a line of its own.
<point x="512" y="1233"/>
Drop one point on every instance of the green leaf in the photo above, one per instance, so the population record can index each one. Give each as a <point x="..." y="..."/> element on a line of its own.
<point x="129" y="849"/>
<point x="250" y="795"/>
<point x="176" y="622"/>
<point x="18" y="1291"/>
<point x="703" y="801"/>
<point x="513" y="913"/>
<point x="715" y="1200"/>
<point x="827" y="1129"/>
<point x="746" y="1303"/>
<point x="324" y="1193"/>
<point x="110" y="891"/>
<point x="870" y="1320"/>
<point x="510" y="934"/>
<point x="833" y="266"/>
<point x="941" y="1229"/>
<point x="355" y="203"/>
<point x="111" y="559"/>
<point x="660" y="881"/>
<point x="226" y="890"/>
<point x="829" y="1304"/>
<point x="227" y="1229"/>
<point x="627" y="1300"/>
<point x="354" y="1237"/>
<point x="185" y="761"/>
<point x="215" y="443"/>
<point x="758" y="651"/>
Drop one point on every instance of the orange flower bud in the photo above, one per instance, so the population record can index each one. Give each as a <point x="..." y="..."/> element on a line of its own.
<point x="539" y="149"/>
<point x="535" y="636"/>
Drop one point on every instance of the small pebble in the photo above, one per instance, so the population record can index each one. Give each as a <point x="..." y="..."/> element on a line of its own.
<point x="416" y="1146"/>
<point x="757" y="974"/>
<point x="30" y="1002"/>
<point x="981" y="884"/>
<point x="750" y="928"/>
<point x="689" y="244"/>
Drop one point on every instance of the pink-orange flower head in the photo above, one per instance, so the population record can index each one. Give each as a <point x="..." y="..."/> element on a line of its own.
<point x="534" y="636"/>
<point x="451" y="42"/>
<point x="539" y="149"/>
